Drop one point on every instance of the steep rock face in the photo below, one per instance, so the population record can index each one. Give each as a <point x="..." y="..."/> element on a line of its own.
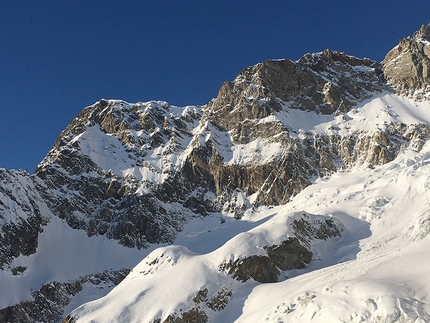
<point x="323" y="82"/>
<point x="23" y="215"/>
<point x="105" y="170"/>
<point x="407" y="66"/>
<point x="252" y="114"/>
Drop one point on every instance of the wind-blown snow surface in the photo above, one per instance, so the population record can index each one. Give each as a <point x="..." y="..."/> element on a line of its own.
<point x="377" y="271"/>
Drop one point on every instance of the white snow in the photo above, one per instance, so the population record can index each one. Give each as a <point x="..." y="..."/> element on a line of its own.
<point x="256" y="152"/>
<point x="64" y="254"/>
<point x="382" y="109"/>
<point x="386" y="278"/>
<point x="107" y="151"/>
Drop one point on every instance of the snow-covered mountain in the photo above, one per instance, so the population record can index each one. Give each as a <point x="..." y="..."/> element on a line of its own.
<point x="298" y="194"/>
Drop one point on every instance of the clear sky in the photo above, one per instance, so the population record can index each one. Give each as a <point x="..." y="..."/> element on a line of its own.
<point x="57" y="57"/>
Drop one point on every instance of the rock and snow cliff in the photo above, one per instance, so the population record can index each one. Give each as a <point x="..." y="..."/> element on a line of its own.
<point x="123" y="181"/>
<point x="407" y="66"/>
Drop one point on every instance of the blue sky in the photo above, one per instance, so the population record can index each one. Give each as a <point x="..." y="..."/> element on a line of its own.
<point x="57" y="57"/>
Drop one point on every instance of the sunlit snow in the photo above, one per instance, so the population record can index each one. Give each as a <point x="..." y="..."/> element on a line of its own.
<point x="375" y="271"/>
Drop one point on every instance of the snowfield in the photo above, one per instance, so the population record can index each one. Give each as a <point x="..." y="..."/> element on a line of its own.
<point x="387" y="279"/>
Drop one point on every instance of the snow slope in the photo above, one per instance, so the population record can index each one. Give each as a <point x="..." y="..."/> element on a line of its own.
<point x="376" y="112"/>
<point x="387" y="281"/>
<point x="376" y="271"/>
<point x="63" y="254"/>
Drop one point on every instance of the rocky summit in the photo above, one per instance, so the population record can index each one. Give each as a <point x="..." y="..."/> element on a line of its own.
<point x="215" y="195"/>
<point x="407" y="66"/>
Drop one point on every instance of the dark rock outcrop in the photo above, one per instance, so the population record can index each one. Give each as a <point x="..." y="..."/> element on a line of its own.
<point x="202" y="304"/>
<point x="292" y="253"/>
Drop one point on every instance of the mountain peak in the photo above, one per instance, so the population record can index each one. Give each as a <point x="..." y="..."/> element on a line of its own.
<point x="326" y="83"/>
<point x="423" y="34"/>
<point x="407" y="66"/>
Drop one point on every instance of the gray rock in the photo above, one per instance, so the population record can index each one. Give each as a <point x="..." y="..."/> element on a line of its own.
<point x="23" y="214"/>
<point x="407" y="66"/>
